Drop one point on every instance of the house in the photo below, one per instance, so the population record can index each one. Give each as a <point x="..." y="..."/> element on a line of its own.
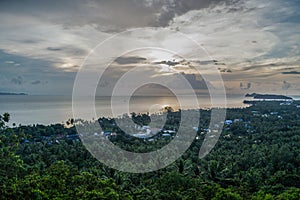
<point x="140" y="135"/>
<point x="285" y="104"/>
<point x="207" y="130"/>
<point x="227" y="136"/>
<point x="228" y="122"/>
<point x="73" y="136"/>
<point x="113" y="134"/>
<point x="169" y="131"/>
<point x="106" y="133"/>
<point x="237" y="120"/>
<point x="145" y="127"/>
<point x="148" y="131"/>
<point x="166" y="135"/>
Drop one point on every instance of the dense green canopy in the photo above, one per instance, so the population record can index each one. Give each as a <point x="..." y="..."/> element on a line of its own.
<point x="257" y="157"/>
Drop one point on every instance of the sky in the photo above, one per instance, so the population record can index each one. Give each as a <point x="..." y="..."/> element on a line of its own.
<point x="255" y="44"/>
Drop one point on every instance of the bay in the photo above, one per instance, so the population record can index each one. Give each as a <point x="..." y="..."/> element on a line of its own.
<point x="26" y="110"/>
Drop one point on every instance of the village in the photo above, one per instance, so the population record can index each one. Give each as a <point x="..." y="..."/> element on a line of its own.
<point x="231" y="125"/>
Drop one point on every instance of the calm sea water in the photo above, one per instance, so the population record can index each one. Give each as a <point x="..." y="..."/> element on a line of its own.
<point x="27" y="110"/>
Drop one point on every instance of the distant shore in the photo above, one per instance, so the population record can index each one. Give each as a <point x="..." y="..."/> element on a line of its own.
<point x="10" y="93"/>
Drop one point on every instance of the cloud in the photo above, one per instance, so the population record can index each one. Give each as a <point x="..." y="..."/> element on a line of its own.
<point x="205" y="62"/>
<point x="129" y="60"/>
<point x="17" y="80"/>
<point x="169" y="63"/>
<point x="245" y="86"/>
<point x="196" y="81"/>
<point x="53" y="49"/>
<point x="30" y="66"/>
<point x="10" y="62"/>
<point x="109" y="15"/>
<point x="20" y="79"/>
<point x="224" y="70"/>
<point x="250" y="41"/>
<point x="286" y="85"/>
<point x="36" y="82"/>
<point x="291" y="72"/>
<point x="215" y="24"/>
<point x="49" y="42"/>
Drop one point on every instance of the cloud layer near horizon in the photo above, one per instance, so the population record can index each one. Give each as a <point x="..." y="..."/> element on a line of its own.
<point x="45" y="42"/>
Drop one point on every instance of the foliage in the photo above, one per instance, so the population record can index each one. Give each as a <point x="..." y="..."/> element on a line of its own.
<point x="255" y="158"/>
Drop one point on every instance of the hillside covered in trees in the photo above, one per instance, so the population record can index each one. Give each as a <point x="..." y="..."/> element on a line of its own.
<point x="257" y="157"/>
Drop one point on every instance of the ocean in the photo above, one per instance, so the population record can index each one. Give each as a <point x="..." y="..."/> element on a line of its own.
<point x="28" y="110"/>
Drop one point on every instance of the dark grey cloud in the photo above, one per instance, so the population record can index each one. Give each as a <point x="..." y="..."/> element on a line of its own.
<point x="208" y="62"/>
<point x="170" y="8"/>
<point x="170" y="63"/>
<point x="189" y="63"/>
<point x="291" y="72"/>
<point x="254" y="67"/>
<point x="272" y="67"/>
<point x="196" y="81"/>
<point x="69" y="49"/>
<point x="29" y="41"/>
<point x="25" y="78"/>
<point x="129" y="60"/>
<point x="108" y="16"/>
<point x="54" y="49"/>
<point x="36" y="82"/>
<point x="29" y="65"/>
<point x="219" y="63"/>
<point x="245" y="86"/>
<point x="224" y="70"/>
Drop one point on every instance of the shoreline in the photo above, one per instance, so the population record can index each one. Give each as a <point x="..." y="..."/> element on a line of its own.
<point x="120" y="116"/>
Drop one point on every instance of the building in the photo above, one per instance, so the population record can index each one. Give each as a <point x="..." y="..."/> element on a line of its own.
<point x="228" y="122"/>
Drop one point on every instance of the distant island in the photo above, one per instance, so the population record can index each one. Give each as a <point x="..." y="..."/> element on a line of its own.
<point x="10" y="93"/>
<point x="254" y="97"/>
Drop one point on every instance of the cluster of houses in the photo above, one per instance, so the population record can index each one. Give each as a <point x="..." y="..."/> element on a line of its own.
<point x="266" y="115"/>
<point x="146" y="132"/>
<point x="229" y="121"/>
<point x="142" y="132"/>
<point x="50" y="140"/>
<point x="150" y="134"/>
<point x="283" y="100"/>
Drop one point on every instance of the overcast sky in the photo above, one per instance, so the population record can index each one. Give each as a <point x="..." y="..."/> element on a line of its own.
<point x="254" y="43"/>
